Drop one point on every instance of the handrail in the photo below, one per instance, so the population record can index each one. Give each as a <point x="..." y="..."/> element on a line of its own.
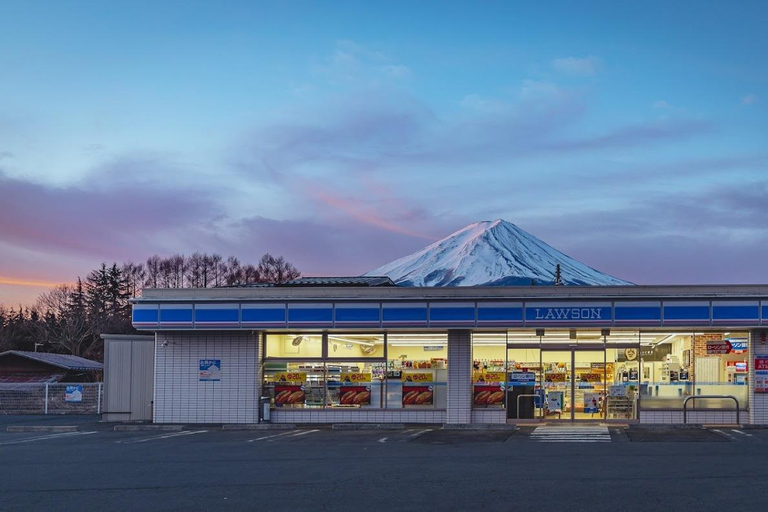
<point x="694" y="397"/>
<point x="534" y="395"/>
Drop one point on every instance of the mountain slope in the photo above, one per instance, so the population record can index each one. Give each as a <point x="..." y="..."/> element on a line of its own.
<point x="490" y="253"/>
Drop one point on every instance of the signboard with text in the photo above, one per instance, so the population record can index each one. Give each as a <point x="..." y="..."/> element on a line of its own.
<point x="210" y="370"/>
<point x="355" y="377"/>
<point x="489" y="377"/>
<point x="761" y="374"/>
<point x="417" y="377"/>
<point x="719" y="347"/>
<point x="73" y="393"/>
<point x="289" y="377"/>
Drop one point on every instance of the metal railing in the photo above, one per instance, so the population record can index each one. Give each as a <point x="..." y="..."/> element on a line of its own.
<point x="713" y="397"/>
<point x="51" y="398"/>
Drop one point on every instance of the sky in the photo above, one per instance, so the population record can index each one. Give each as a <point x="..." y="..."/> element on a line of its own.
<point x="343" y="135"/>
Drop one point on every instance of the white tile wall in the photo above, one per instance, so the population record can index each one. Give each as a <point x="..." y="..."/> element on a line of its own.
<point x="357" y="416"/>
<point x="758" y="402"/>
<point x="459" y="376"/>
<point x="489" y="416"/>
<point x="694" y="417"/>
<point x="179" y="395"/>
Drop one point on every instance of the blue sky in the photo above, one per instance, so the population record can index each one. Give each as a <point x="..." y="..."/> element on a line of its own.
<point x="630" y="135"/>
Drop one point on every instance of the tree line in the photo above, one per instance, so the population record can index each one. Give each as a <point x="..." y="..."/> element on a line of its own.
<point x="70" y="318"/>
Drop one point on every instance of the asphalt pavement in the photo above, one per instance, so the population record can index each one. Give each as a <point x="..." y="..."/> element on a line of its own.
<point x="420" y="467"/>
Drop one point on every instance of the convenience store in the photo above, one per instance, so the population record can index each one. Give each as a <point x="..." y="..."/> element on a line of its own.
<point x="363" y="352"/>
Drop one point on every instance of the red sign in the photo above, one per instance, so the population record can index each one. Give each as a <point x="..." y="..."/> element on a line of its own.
<point x="719" y="347"/>
<point x="761" y="363"/>
<point x="355" y="395"/>
<point x="488" y="395"/>
<point x="417" y="395"/>
<point x="288" y="395"/>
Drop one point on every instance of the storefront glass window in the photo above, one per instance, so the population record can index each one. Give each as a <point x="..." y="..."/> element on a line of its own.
<point x="294" y="385"/>
<point x="356" y="385"/>
<point x="294" y="346"/>
<point x="357" y="346"/>
<point x="677" y="365"/>
<point x="417" y="370"/>
<point x="489" y="370"/>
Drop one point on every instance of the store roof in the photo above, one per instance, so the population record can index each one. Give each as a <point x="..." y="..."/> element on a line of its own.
<point x="67" y="362"/>
<point x="327" y="281"/>
<point x="342" y="281"/>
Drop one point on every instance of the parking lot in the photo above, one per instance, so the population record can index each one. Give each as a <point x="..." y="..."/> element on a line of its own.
<point x="414" y="468"/>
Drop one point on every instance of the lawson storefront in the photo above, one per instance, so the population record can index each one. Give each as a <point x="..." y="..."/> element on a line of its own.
<point x="340" y="354"/>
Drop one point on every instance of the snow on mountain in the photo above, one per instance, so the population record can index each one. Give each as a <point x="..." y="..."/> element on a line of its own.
<point x="490" y="253"/>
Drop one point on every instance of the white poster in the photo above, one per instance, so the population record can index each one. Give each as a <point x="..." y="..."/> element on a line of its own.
<point x="555" y="401"/>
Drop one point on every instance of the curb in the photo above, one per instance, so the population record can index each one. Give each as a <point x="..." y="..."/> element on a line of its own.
<point x="137" y="428"/>
<point x="259" y="426"/>
<point x="42" y="428"/>
<point x="479" y="426"/>
<point x="367" y="426"/>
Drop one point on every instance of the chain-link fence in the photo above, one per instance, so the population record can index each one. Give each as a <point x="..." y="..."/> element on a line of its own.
<point x="57" y="398"/>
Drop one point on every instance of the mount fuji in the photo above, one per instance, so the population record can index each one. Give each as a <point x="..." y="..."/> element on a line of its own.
<point x="491" y="253"/>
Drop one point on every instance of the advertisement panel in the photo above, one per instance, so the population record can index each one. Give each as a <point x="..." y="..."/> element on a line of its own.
<point x="290" y="377"/>
<point x="355" y="377"/>
<point x="289" y="395"/>
<point x="355" y="395"/>
<point x="592" y="402"/>
<point x="417" y="377"/>
<point x="489" y="377"/>
<point x="761" y="374"/>
<point x="210" y="370"/>
<point x="555" y="401"/>
<point x="488" y="395"/>
<point x="418" y="395"/>
<point x="73" y="393"/>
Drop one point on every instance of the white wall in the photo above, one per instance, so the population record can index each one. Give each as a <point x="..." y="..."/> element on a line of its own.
<point x="180" y="396"/>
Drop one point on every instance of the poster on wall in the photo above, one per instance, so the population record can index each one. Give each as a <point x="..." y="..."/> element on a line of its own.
<point x="555" y="401"/>
<point x="418" y="395"/>
<point x="289" y="395"/>
<point x="355" y="395"/>
<point x="489" y="377"/>
<point x="417" y="377"/>
<point x="355" y="377"/>
<point x="592" y="402"/>
<point x="489" y="395"/>
<point x="761" y="374"/>
<point x="73" y="393"/>
<point x="210" y="370"/>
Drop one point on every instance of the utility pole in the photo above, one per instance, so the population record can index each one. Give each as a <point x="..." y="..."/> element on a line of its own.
<point x="558" y="277"/>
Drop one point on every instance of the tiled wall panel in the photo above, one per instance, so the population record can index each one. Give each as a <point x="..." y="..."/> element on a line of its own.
<point x="459" y="376"/>
<point x="180" y="396"/>
<point x="357" y="416"/>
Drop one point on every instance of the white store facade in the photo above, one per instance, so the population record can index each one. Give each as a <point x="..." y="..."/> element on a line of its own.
<point x="364" y="352"/>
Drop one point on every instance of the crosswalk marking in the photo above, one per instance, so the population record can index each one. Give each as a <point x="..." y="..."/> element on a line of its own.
<point x="162" y="436"/>
<point x="46" y="437"/>
<point x="545" y="434"/>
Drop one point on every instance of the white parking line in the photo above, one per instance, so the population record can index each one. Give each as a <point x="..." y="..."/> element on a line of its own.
<point x="726" y="434"/>
<point x="383" y="439"/>
<point x="46" y="437"/>
<point x="304" y="433"/>
<point x="274" y="435"/>
<point x="415" y="435"/>
<point x="740" y="432"/>
<point x="162" y="436"/>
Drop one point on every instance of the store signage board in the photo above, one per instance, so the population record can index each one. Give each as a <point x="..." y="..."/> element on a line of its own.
<point x="761" y="374"/>
<point x="489" y="377"/>
<point x="719" y="347"/>
<point x="355" y="377"/>
<point x="522" y="378"/>
<point x="210" y="370"/>
<point x="290" y="377"/>
<point x="591" y="402"/>
<point x="73" y="393"/>
<point x="417" y="377"/>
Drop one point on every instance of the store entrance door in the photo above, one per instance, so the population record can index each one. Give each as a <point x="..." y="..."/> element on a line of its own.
<point x="574" y="384"/>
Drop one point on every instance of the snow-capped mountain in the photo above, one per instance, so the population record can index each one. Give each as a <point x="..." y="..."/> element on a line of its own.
<point x="490" y="253"/>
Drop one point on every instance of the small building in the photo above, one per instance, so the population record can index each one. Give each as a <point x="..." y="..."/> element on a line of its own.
<point x="22" y="367"/>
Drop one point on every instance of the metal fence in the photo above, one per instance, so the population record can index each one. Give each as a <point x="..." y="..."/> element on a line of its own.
<point x="57" y="398"/>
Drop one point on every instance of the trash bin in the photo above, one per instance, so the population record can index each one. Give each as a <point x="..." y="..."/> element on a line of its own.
<point x="264" y="409"/>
